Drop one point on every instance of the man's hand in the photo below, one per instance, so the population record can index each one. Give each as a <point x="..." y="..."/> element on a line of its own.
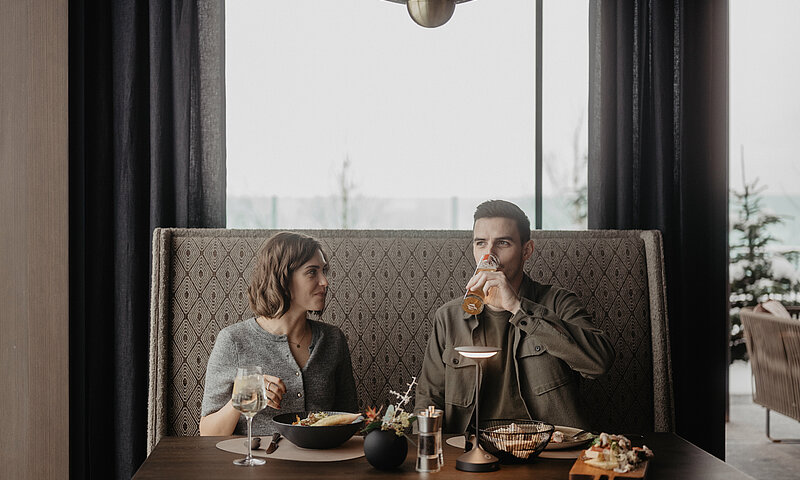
<point x="497" y="289"/>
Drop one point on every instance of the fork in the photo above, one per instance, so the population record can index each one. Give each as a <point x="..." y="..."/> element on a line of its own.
<point x="575" y="436"/>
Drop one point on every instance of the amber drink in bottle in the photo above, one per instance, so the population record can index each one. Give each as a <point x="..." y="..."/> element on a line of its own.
<point x="473" y="299"/>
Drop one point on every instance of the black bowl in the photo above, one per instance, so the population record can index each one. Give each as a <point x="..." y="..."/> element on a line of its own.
<point x="314" y="437"/>
<point x="521" y="443"/>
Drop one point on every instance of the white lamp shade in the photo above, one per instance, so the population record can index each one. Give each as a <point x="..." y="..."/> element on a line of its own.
<point x="431" y="13"/>
<point x="477" y="351"/>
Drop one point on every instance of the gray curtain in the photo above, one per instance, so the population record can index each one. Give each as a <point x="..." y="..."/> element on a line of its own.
<point x="658" y="160"/>
<point x="147" y="149"/>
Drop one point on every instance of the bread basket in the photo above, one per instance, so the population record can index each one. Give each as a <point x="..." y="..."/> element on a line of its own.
<point x="515" y="440"/>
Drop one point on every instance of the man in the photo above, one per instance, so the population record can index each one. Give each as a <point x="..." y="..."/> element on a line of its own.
<point x="545" y="335"/>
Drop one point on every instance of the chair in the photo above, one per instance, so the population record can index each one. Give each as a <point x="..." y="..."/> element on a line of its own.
<point x="386" y="285"/>
<point x="773" y="344"/>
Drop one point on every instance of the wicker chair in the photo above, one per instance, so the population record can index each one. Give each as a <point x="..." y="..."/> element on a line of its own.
<point x="773" y="344"/>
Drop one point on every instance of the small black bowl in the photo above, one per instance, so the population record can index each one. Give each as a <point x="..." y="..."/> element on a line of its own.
<point x="521" y="443"/>
<point x="314" y="437"/>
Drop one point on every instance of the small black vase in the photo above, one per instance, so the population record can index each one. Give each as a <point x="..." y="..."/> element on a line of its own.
<point x="384" y="449"/>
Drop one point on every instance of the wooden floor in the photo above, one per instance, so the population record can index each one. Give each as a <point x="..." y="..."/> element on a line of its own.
<point x="747" y="447"/>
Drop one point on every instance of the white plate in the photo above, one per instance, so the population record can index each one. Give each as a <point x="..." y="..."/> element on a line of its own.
<point x="457" y="442"/>
<point x="568" y="432"/>
<point x="564" y="450"/>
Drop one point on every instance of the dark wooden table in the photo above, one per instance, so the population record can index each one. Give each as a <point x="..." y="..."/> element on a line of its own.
<point x="197" y="457"/>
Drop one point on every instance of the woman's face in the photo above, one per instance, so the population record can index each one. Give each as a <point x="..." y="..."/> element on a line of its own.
<point x="309" y="285"/>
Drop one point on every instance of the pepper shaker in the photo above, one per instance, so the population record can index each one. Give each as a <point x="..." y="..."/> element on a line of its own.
<point x="429" y="444"/>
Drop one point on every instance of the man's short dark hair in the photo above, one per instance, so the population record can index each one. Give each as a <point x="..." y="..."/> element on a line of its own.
<point x="504" y="209"/>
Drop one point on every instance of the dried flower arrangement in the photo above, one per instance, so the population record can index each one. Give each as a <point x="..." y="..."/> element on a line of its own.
<point x="395" y="417"/>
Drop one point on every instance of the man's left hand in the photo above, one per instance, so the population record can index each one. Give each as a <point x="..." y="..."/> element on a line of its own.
<point x="497" y="289"/>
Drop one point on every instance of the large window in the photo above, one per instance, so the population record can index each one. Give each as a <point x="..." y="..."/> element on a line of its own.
<point x="764" y="169"/>
<point x="565" y="104"/>
<point x="347" y="114"/>
<point x="764" y="132"/>
<point x="765" y="108"/>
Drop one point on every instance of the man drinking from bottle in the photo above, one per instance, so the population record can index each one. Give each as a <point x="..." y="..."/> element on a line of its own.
<point x="546" y="336"/>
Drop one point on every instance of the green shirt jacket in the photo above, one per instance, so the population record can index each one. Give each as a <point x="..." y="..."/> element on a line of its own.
<point x="554" y="341"/>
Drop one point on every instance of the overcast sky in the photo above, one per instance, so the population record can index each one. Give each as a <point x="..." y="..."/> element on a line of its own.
<point x="765" y="100"/>
<point x="449" y="111"/>
<point x="419" y="112"/>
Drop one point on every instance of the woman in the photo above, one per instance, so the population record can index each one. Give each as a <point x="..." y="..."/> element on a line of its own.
<point x="306" y="363"/>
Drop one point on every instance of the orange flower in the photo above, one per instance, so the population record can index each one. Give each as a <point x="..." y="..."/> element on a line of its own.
<point x="372" y="414"/>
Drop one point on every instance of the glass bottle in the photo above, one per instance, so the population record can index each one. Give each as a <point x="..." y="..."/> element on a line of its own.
<point x="474" y="299"/>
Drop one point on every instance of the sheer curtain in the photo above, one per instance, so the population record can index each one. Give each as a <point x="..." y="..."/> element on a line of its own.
<point x="147" y="136"/>
<point x="658" y="159"/>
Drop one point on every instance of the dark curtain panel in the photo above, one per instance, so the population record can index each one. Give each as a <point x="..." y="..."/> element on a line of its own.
<point x="146" y="87"/>
<point x="658" y="160"/>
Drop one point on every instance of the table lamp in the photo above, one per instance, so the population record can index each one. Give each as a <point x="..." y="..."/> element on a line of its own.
<point x="477" y="459"/>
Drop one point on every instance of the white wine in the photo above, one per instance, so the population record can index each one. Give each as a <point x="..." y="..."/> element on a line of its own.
<point x="249" y="395"/>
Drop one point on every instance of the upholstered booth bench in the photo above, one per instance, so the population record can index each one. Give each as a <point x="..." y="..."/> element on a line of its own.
<point x="385" y="287"/>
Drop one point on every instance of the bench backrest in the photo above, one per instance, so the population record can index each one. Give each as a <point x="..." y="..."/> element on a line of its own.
<point x="385" y="287"/>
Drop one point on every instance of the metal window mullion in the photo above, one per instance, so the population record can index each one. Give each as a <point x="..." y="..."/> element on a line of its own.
<point x="538" y="127"/>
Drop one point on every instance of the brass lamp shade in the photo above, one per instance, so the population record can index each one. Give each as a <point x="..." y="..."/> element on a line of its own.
<point x="431" y="13"/>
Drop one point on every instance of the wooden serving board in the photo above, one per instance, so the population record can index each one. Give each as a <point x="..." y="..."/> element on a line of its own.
<point x="582" y="471"/>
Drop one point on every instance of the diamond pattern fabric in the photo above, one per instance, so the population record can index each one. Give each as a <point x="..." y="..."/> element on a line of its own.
<point x="385" y="288"/>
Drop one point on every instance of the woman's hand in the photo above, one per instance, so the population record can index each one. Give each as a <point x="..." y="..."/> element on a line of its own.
<point x="275" y="391"/>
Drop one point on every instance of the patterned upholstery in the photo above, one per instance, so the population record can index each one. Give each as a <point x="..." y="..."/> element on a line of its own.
<point x="385" y="287"/>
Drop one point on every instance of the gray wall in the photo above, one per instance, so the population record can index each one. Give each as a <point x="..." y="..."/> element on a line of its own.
<point x="34" y="376"/>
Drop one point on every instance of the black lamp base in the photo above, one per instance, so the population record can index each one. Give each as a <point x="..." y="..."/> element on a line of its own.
<point x="477" y="460"/>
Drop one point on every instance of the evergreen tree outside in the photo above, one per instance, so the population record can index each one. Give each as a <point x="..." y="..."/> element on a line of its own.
<point x="757" y="271"/>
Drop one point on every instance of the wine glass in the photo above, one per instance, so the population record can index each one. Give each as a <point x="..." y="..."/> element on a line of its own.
<point x="249" y="397"/>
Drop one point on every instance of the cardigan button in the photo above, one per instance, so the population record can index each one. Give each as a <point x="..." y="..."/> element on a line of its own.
<point x="299" y="394"/>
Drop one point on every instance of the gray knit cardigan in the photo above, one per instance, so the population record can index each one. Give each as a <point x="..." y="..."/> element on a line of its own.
<point x="325" y="383"/>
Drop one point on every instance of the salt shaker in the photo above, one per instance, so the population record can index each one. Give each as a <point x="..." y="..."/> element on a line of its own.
<point x="429" y="444"/>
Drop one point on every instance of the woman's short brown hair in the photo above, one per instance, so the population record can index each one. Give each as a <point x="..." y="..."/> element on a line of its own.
<point x="277" y="260"/>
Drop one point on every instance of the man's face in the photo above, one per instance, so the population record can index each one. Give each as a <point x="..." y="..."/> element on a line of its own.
<point x="500" y="237"/>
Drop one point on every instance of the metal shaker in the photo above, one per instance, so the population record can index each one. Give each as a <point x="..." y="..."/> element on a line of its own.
<point x="429" y="444"/>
